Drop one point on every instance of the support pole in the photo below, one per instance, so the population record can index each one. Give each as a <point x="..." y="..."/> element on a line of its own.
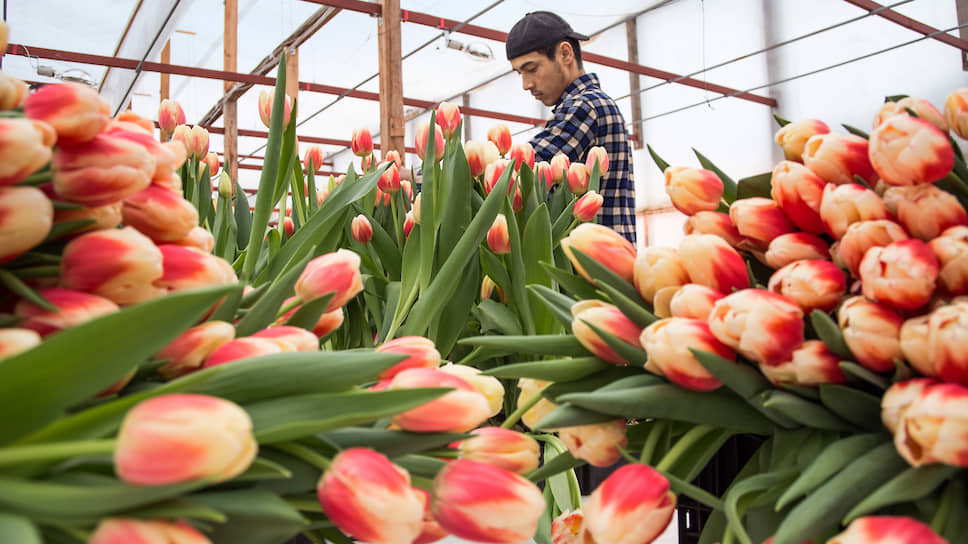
<point x="465" y="102"/>
<point x="632" y="39"/>
<point x="292" y="72"/>
<point x="392" y="130"/>
<point x="230" y="110"/>
<point x="166" y="59"/>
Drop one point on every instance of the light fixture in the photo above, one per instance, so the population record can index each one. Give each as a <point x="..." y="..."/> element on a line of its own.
<point x="478" y="51"/>
<point x="72" y="75"/>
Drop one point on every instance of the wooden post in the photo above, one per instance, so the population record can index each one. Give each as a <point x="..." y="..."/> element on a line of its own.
<point x="962" y="10"/>
<point x="292" y="72"/>
<point x="230" y="110"/>
<point x="392" y="130"/>
<point x="465" y="101"/>
<point x="632" y="39"/>
<point x="165" y="59"/>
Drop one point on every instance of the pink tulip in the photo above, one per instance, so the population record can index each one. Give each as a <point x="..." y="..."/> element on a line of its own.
<point x="458" y="411"/>
<point x="845" y="204"/>
<point x="489" y="386"/>
<point x="498" y="239"/>
<point x="422" y="354"/>
<point x="694" y="301"/>
<point x="12" y="92"/>
<point x="14" y="341"/>
<point x="632" y="506"/>
<point x="265" y="109"/>
<point x="168" y="157"/>
<point x="921" y="107"/>
<point x="527" y="389"/>
<point x="367" y="163"/>
<point x="211" y="161"/>
<point x="811" y="285"/>
<point x="503" y="508"/>
<point x="245" y="348"/>
<point x="361" y="142"/>
<point x="761" y="325"/>
<point x="361" y="229"/>
<point x="188" y="351"/>
<point x="956" y="112"/>
<point x="598" y="443"/>
<point x="389" y="181"/>
<point x="710" y="261"/>
<point x="951" y="249"/>
<point x="160" y="214"/>
<point x="199" y="238"/>
<point x="795" y="246"/>
<point x="197" y="142"/>
<point x="811" y="365"/>
<point x="74" y="308"/>
<point x="933" y="344"/>
<point x="178" y="438"/>
<point x="864" y="235"/>
<point x="474" y="151"/>
<point x="298" y="338"/>
<point x="544" y="175"/>
<point x="314" y="156"/>
<point x="715" y="223"/>
<point x="566" y="528"/>
<point x="118" y="264"/>
<point x="26" y="216"/>
<point x="837" y="158"/>
<point x="872" y="332"/>
<point x="656" y="268"/>
<point x="370" y="499"/>
<point x="899" y="397"/>
<point x="933" y="428"/>
<point x="668" y="343"/>
<point x="101" y="171"/>
<point x="798" y="191"/>
<point x="191" y="268"/>
<point x="559" y="167"/>
<point x="793" y="137"/>
<point x="587" y="206"/>
<point x="493" y="173"/>
<point x="76" y="112"/>
<point x="521" y="153"/>
<point x="693" y="190"/>
<point x="170" y="115"/>
<point x="25" y="147"/>
<point x="337" y="273"/>
<point x="924" y="210"/>
<point x="887" y="530"/>
<point x="577" y="177"/>
<point x="596" y="154"/>
<point x="902" y="274"/>
<point x="448" y="119"/>
<point x="131" y="122"/>
<point x="500" y="135"/>
<point x="430" y="530"/>
<point x="422" y="140"/>
<point x="905" y="150"/>
<point x="607" y="318"/>
<point x="182" y="135"/>
<point x="327" y="323"/>
<point x="604" y="245"/>
<point x="142" y="531"/>
<point x="513" y="451"/>
<point x="409" y="220"/>
<point x="759" y="219"/>
<point x="487" y="289"/>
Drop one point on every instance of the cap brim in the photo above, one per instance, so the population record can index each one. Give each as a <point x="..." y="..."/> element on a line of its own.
<point x="579" y="37"/>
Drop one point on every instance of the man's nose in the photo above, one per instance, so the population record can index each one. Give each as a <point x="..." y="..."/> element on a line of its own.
<point x="526" y="83"/>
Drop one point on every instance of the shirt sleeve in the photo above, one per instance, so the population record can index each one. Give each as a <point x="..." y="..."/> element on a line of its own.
<point x="571" y="131"/>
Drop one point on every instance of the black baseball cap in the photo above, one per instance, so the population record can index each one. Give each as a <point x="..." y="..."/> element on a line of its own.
<point x="538" y="30"/>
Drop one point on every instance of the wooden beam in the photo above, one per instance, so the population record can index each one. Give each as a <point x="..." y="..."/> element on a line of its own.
<point x="392" y="129"/>
<point x="962" y="9"/>
<point x="909" y="23"/>
<point x="632" y="40"/>
<point x="465" y="102"/>
<point x="230" y="108"/>
<point x="292" y="72"/>
<point x="305" y="139"/>
<point x="165" y="90"/>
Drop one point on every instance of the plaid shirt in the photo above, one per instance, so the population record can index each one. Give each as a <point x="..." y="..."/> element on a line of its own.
<point x="586" y="117"/>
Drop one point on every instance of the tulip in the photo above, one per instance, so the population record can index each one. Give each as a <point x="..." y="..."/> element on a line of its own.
<point x="956" y="112"/>
<point x="168" y="157"/>
<point x="337" y="273"/>
<point x="178" y="438"/>
<point x="521" y="153"/>
<point x="607" y="318"/>
<point x="924" y="210"/>
<point x="843" y="205"/>
<point x="170" y="115"/>
<point x="367" y="163"/>
<point x="421" y="351"/>
<point x="416" y="209"/>
<point x="245" y="348"/>
<point x="197" y="142"/>
<point x="327" y="323"/>
<point x="710" y="261"/>
<point x="76" y="112"/>
<point x="160" y="214"/>
<point x="14" y="341"/>
<point x="597" y="154"/>
<point x="916" y="344"/>
<point x="518" y="200"/>
<point x="693" y="190"/>
<point x="544" y="175"/>
<point x="102" y="171"/>
<point x="933" y="427"/>
<point x="370" y="499"/>
<point x="103" y="217"/>
<point x="191" y="268"/>
<point x="129" y="121"/>
<point x="211" y="160"/>
<point x="183" y="135"/>
<point x="662" y="299"/>
<point x="407" y="188"/>
<point x="73" y="308"/>
<point x="389" y="156"/>
<point x="864" y="235"/>
<point x="26" y="216"/>
<point x="668" y="343"/>
<point x="489" y="386"/>
<point x="587" y="206"/>
<point x="422" y="140"/>
<point x="761" y="325"/>
<point x="887" y="530"/>
<point x="598" y="443"/>
<point x="810" y="366"/>
<point x="693" y="301"/>
<point x="493" y="173"/>
<point x="448" y="119"/>
<point x="934" y="343"/>
<point x="12" y="92"/>
<point x="715" y="223"/>
<point x="795" y="246"/>
<point x="527" y="389"/>
<point x="951" y="249"/>
<point x="24" y="148"/>
<point x="655" y="268"/>
<point x="498" y="238"/>
<point x="577" y="177"/>
<point x="901" y="274"/>
<point x="265" y="109"/>
<point x="361" y="142"/>
<point x="921" y="107"/>
<point x="188" y="351"/>
<point x="298" y="338"/>
<point x="503" y="448"/>
<point x="500" y="136"/>
<point x="430" y="530"/>
<point x="141" y="531"/>
<point x="490" y="152"/>
<point x="566" y="528"/>
<point x="198" y="237"/>
<point x="118" y="264"/>
<point x="633" y="505"/>
<point x="793" y="137"/>
<point x="389" y="181"/>
<point x="899" y="397"/>
<point x="458" y="411"/>
<point x="605" y="246"/>
<point x="361" y="229"/>
<point x="759" y="219"/>
<point x="409" y="221"/>
<point x="798" y="191"/>
<point x="905" y="150"/>
<point x="474" y="151"/>
<point x="559" y="167"/>
<point x="872" y="332"/>
<point x="811" y="285"/>
<point x="503" y="508"/>
<point x="837" y="158"/>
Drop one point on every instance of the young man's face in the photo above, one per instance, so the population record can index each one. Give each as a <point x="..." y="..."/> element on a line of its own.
<point x="544" y="78"/>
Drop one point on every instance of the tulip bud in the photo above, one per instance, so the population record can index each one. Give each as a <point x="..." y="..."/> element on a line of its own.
<point x="634" y="504"/>
<point x="361" y="142"/>
<point x="921" y="107"/>
<point x="933" y="344"/>
<point x="951" y="249"/>
<point x="598" y="443"/>
<point x="795" y="246"/>
<point x="489" y="386"/>
<point x="170" y="115"/>
<point x="810" y="366"/>
<point x="160" y="214"/>
<point x="896" y="530"/>
<point x="493" y="173"/>
<point x="901" y="274"/>
<point x="448" y="118"/>
<point x="168" y="158"/>
<point x="199" y="238"/>
<point x="924" y="210"/>
<point x="327" y="323"/>
<point x="370" y="499"/>
<point x="559" y="167"/>
<point x="139" y="531"/>
<point x="863" y="235"/>
<point x="422" y="354"/>
<point x="337" y="272"/>
<point x="485" y="515"/>
<point x="491" y="153"/>
<point x="566" y="528"/>
<point x="245" y="348"/>
<point x="715" y="223"/>
<point x="811" y="285"/>
<point x="837" y="158"/>
<point x="76" y="112"/>
<point x="933" y="429"/>
<point x="607" y="318"/>
<point x="521" y="153"/>
<point x="129" y="121"/>
<point x="604" y="245"/>
<point x="430" y="530"/>
<point x="693" y="190"/>
<point x="389" y="181"/>
<point x="793" y="137"/>
<point x="500" y="136"/>
<point x="73" y="308"/>
<point x="668" y="343"/>
<point x="761" y="325"/>
<point x="905" y="150"/>
<point x="178" y="438"/>
<point x="543" y="175"/>
<point x="314" y="157"/>
<point x="899" y="397"/>
<point x="799" y="192"/>
<point x="12" y="92"/>
<point x="956" y="112"/>
<point x="191" y="268"/>
<point x="872" y="332"/>
<point x="577" y="178"/>
<point x="102" y="171"/>
<point x="694" y="301"/>
<point x="211" y="161"/>
<point x="361" y="229"/>
<point x="118" y="264"/>
<point x="527" y="389"/>
<point x="25" y="147"/>
<point x="265" y="109"/>
<point x="588" y="206"/>
<point x="458" y="411"/>
<point x="409" y="220"/>
<point x="416" y="209"/>
<point x="710" y="261"/>
<point x="422" y="140"/>
<point x="658" y="267"/>
<point x="188" y="351"/>
<point x="183" y="135"/>
<point x="14" y="341"/>
<point x="599" y="155"/>
<point x="389" y="156"/>
<point x="26" y="216"/>
<point x="474" y="151"/>
<point x="498" y="238"/>
<point x="843" y="205"/>
<point x="197" y="142"/>
<point x="759" y="219"/>
<point x="503" y="448"/>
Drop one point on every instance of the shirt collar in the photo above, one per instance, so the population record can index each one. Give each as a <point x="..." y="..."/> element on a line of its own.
<point x="575" y="88"/>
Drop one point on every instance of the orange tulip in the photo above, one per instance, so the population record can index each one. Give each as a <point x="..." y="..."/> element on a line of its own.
<point x="577" y="177"/>
<point x="795" y="246"/>
<point x="73" y="308"/>
<point x="422" y="354"/>
<point x="597" y="154"/>
<point x="337" y="272"/>
<point x="119" y="264"/>
<point x="26" y="216"/>
<point x="845" y="204"/>
<point x="103" y="170"/>
<point x="587" y="206"/>
<point x="951" y="249"/>
<point x="799" y="192"/>
<point x="901" y="274"/>
<point x="544" y="174"/>
<point x="191" y="268"/>
<point x="188" y="351"/>
<point x="905" y="150"/>
<point x="489" y="386"/>
<point x="604" y="245"/>
<point x="422" y="139"/>
<point x="633" y="505"/>
<point x="513" y="451"/>
<point x="141" y="531"/>
<point x="458" y="411"/>
<point x="448" y="119"/>
<point x="656" y="268"/>
<point x="12" y="92"/>
<point x="498" y="238"/>
<point x="761" y="325"/>
<point x="872" y="332"/>
<point x="712" y="262"/>
<point x="896" y="530"/>
<point x="598" y="443"/>
<point x="715" y="223"/>
<point x="837" y="158"/>
<point x="361" y="142"/>
<point x="197" y="237"/>
<point x="811" y="365"/>
<point x="76" y="112"/>
<point x="693" y="190"/>
<point x="933" y="428"/>
<point x="921" y="107"/>
<point x="793" y="137"/>
<point x="607" y="318"/>
<point x="668" y="343"/>
<point x="522" y="153"/>
<point x="559" y="167"/>
<point x="474" y="151"/>
<point x="25" y="147"/>
<point x="245" y="348"/>
<point x="265" y="108"/>
<point x="170" y="115"/>
<point x="160" y="214"/>
<point x="956" y="112"/>
<point x="694" y="301"/>
<point x="924" y="210"/>
<point x="810" y="284"/>
<point x="759" y="219"/>
<point x="864" y="235"/>
<point x="500" y="135"/>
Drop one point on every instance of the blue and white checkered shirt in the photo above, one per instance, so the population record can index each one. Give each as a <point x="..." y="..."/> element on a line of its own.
<point x="586" y="117"/>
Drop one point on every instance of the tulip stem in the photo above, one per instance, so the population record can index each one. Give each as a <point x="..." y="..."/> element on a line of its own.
<point x="79" y="534"/>
<point x="523" y="408"/>
<point x="470" y="356"/>
<point x="940" y="518"/>
<point x="38" y="178"/>
<point x="694" y="435"/>
<point x="53" y="451"/>
<point x="289" y="306"/>
<point x="298" y="450"/>
<point x="397" y="229"/>
<point x="443" y="454"/>
<point x="628" y="457"/>
<point x="652" y="441"/>
<point x="693" y="492"/>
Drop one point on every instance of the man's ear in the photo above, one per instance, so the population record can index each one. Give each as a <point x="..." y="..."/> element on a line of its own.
<point x="565" y="53"/>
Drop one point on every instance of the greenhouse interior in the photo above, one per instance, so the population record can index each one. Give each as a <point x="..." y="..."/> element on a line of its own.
<point x="497" y="271"/>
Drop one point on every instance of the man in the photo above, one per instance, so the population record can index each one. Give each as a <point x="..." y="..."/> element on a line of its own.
<point x="544" y="49"/>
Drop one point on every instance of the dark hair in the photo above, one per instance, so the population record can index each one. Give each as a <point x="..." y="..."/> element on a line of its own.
<point x="551" y="50"/>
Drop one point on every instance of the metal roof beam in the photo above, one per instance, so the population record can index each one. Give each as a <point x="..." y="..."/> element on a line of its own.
<point x="910" y="24"/>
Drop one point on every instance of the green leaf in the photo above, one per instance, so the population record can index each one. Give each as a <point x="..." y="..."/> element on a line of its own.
<point x="537" y="239"/>
<point x="804" y="412"/>
<point x="657" y="159"/>
<point x="18" y="529"/>
<point x="63" y="228"/>
<point x="758" y="185"/>
<point x="309" y="313"/>
<point x="495" y="316"/>
<point x="830" y="334"/>
<point x="781" y="121"/>
<point x="386" y="248"/>
<point x="594" y="382"/>
<point x="574" y="284"/>
<point x="553" y="370"/>
<point x="753" y="484"/>
<point x="729" y="186"/>
<point x="860" y="408"/>
<point x="912" y="484"/>
<point x="559" y="304"/>
<point x="263" y="313"/>
<point x="558" y="482"/>
<point x="856" y="131"/>
<point x="542" y="344"/>
<point x="855" y="370"/>
<point x="604" y="275"/>
<point x="243" y="216"/>
<point x="568" y="415"/>
<point x="255" y="516"/>
<point x="37" y="385"/>
<point x="633" y="355"/>
<point x="390" y="443"/>
<point x="263" y="469"/>
<point x="745" y="380"/>
<point x="833" y="458"/>
<point x="560" y="463"/>
<point x="229" y="305"/>
<point x="420" y="465"/>
<point x="634" y="308"/>
<point x="454" y="314"/>
<point x="455" y="188"/>
<point x="22" y="290"/>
